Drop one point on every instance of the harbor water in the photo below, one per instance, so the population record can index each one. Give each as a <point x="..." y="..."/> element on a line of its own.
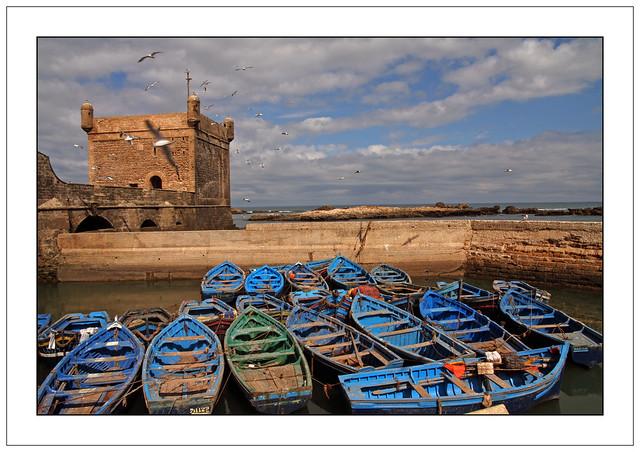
<point x="581" y="391"/>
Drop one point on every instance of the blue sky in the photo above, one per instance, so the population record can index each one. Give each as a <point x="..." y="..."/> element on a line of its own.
<point x="423" y="120"/>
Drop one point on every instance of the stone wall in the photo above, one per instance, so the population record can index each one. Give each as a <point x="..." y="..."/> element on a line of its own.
<point x="556" y="252"/>
<point x="421" y="247"/>
<point x="546" y="251"/>
<point x="63" y="207"/>
<point x="115" y="162"/>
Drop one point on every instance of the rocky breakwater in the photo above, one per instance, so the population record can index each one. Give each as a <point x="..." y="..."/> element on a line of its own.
<point x="328" y="213"/>
<point x="588" y="211"/>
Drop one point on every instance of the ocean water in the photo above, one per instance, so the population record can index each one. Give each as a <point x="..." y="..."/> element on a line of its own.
<point x="241" y="220"/>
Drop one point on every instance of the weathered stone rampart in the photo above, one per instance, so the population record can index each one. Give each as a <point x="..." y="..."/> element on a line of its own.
<point x="550" y="251"/>
<point x="560" y="252"/>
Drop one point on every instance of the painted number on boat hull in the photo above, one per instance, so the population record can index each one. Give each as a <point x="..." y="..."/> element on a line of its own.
<point x="199" y="410"/>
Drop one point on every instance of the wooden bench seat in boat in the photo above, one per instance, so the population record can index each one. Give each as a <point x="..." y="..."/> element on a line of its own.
<point x="308" y="325"/>
<point x="322" y="348"/>
<point x="183" y="338"/>
<point x="418" y="345"/>
<point x="99" y="377"/>
<point x="182" y="366"/>
<point x="259" y="356"/>
<point x="204" y="351"/>
<point x="497" y="380"/>
<point x="104" y="359"/>
<point x="470" y="330"/>
<point x="100" y="345"/>
<point x="536" y="317"/>
<point x="459" y="383"/>
<point x="549" y="325"/>
<point x="396" y="332"/>
<point x="460" y="320"/>
<point x="319" y="337"/>
<point x="372" y="313"/>
<point x="395" y="322"/>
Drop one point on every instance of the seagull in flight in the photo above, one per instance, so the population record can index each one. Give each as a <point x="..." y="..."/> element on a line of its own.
<point x="284" y="132"/>
<point x="237" y="150"/>
<point x="243" y="68"/>
<point x="248" y="162"/>
<point x="207" y="107"/>
<point x="246" y="199"/>
<point x="356" y="171"/>
<point x="128" y="138"/>
<point x="277" y="149"/>
<point x="78" y="146"/>
<point x="508" y="170"/>
<point x="261" y="164"/>
<point x="341" y="178"/>
<point x="204" y="85"/>
<point x="162" y="143"/>
<point x="149" y="55"/>
<point x="151" y="85"/>
<point x="259" y="115"/>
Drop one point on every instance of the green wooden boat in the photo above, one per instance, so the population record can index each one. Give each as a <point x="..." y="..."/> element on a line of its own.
<point x="267" y="363"/>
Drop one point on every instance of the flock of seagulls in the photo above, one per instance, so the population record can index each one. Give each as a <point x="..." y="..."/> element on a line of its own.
<point x="164" y="144"/>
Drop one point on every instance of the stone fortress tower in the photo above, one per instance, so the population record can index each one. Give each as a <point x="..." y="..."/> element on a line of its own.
<point x="135" y="185"/>
<point x="198" y="160"/>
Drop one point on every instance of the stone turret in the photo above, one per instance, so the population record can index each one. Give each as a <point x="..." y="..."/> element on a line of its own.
<point x="86" y="116"/>
<point x="230" y="128"/>
<point x="193" y="110"/>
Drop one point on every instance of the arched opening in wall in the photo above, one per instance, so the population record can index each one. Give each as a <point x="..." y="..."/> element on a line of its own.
<point x="156" y="182"/>
<point x="94" y="223"/>
<point x="149" y="225"/>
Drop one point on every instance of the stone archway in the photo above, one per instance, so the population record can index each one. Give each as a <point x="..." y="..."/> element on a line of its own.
<point x="156" y="182"/>
<point x="94" y="223"/>
<point x="149" y="224"/>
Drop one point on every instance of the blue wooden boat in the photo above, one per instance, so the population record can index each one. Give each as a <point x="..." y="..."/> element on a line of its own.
<point x="264" y="279"/>
<point x="146" y="323"/>
<point x="270" y="305"/>
<point x="319" y="266"/>
<point x="401" y="295"/>
<point x="501" y="287"/>
<point x="586" y="343"/>
<point x="333" y="304"/>
<point x="388" y="274"/>
<point x="43" y="322"/>
<point x="68" y="331"/>
<point x="268" y="364"/>
<point x="224" y="281"/>
<point x="479" y="299"/>
<point x="302" y="278"/>
<point x="520" y="382"/>
<point x="345" y="274"/>
<point x="404" y="333"/>
<point x="183" y="369"/>
<point x="467" y="325"/>
<point x="95" y="376"/>
<point x="337" y="346"/>
<point x="214" y="313"/>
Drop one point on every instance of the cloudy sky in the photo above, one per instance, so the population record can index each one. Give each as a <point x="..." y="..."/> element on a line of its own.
<point x="423" y="120"/>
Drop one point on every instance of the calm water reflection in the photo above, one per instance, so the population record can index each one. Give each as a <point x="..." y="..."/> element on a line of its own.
<point x="581" y="388"/>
